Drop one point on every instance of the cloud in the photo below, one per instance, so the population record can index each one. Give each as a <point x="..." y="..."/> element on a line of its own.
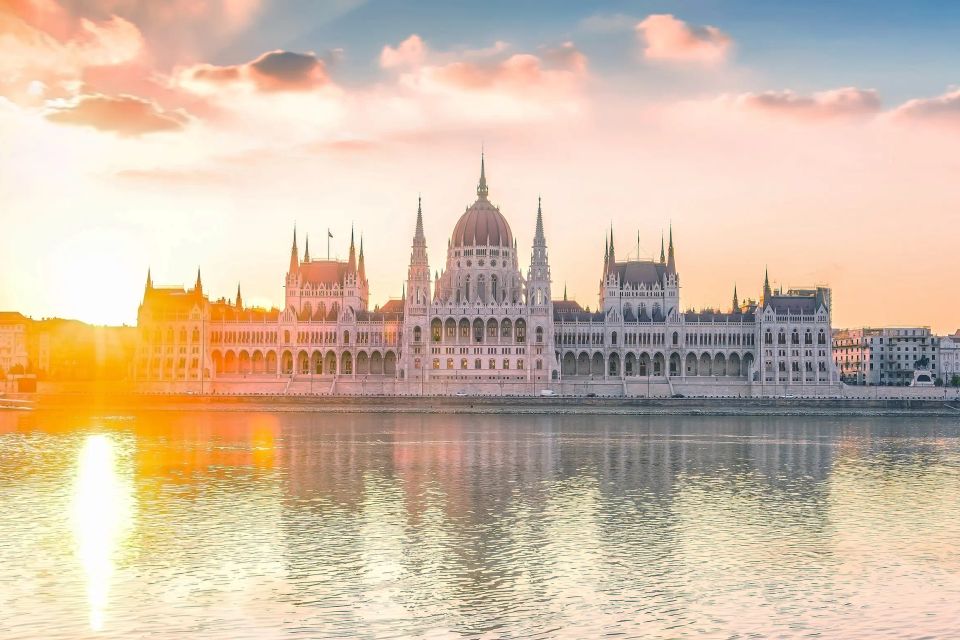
<point x="125" y="115"/>
<point x="608" y="23"/>
<point x="43" y="44"/>
<point x="666" y="37"/>
<point x="410" y="53"/>
<point x="844" y="102"/>
<point x="941" y="109"/>
<point x="273" y="71"/>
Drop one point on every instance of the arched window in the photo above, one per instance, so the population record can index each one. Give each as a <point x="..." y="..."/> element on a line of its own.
<point x="286" y="337"/>
<point x="795" y="337"/>
<point x="676" y="338"/>
<point x="782" y="337"/>
<point x="822" y="338"/>
<point x="493" y="289"/>
<point x="808" y="337"/>
<point x="417" y="335"/>
<point x="183" y="335"/>
<point x="768" y="337"/>
<point x="196" y="335"/>
<point x="539" y="334"/>
<point x="346" y="337"/>
<point x="613" y="338"/>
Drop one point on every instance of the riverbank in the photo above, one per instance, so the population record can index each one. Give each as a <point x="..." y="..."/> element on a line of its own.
<point x="116" y="402"/>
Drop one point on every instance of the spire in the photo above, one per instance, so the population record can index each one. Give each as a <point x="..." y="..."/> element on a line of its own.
<point x="538" y="237"/>
<point x="352" y="260"/>
<point x="198" y="285"/>
<point x="361" y="268"/>
<point x="306" y="250"/>
<point x="482" y="189"/>
<point x="294" y="254"/>
<point x="613" y="257"/>
<point x="736" y="301"/>
<point x="564" y="291"/>
<point x="767" y="294"/>
<point x="239" y="298"/>
<point x="418" y="236"/>
<point x="149" y="285"/>
<point x="663" y="258"/>
<point x="671" y="262"/>
<point x="606" y="254"/>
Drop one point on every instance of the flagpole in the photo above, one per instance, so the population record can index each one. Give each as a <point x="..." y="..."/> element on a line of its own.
<point x="328" y="244"/>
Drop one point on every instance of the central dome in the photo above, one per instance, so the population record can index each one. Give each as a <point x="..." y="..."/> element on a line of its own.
<point x="482" y="224"/>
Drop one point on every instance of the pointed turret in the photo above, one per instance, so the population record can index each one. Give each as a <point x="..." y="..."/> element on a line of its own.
<point x="482" y="189"/>
<point x="419" y="239"/>
<point x="149" y="285"/>
<point x="539" y="238"/>
<point x="361" y="267"/>
<point x="198" y="285"/>
<point x="736" y="301"/>
<point x="352" y="260"/>
<point x="671" y="261"/>
<point x="663" y="257"/>
<point x="306" y="249"/>
<point x="239" y="298"/>
<point x="564" y="291"/>
<point x="606" y="254"/>
<point x="294" y="254"/>
<point x="612" y="263"/>
<point x="767" y="293"/>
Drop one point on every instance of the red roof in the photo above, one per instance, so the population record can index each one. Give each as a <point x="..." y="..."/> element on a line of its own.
<point x="325" y="272"/>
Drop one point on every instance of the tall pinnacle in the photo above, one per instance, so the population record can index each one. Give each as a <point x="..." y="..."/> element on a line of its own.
<point x="352" y="259"/>
<point x="294" y="254"/>
<point x="482" y="189"/>
<point x="613" y="257"/>
<point x="239" y="298"/>
<point x="736" y="301"/>
<point x="198" y="286"/>
<point x="663" y="257"/>
<point x="539" y="238"/>
<point x="767" y="294"/>
<point x="149" y="279"/>
<point x="361" y="268"/>
<point x="306" y="250"/>
<point x="419" y="239"/>
<point x="671" y="262"/>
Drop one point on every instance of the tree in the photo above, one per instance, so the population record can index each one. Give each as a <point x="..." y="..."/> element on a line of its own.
<point x="955" y="380"/>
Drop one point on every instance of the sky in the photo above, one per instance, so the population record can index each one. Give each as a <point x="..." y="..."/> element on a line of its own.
<point x="817" y="139"/>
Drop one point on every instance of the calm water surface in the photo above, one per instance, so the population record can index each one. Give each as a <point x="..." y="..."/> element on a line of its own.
<point x="265" y="525"/>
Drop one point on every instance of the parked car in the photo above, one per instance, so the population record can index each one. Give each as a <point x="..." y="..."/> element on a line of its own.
<point x="547" y="392"/>
<point x="461" y="394"/>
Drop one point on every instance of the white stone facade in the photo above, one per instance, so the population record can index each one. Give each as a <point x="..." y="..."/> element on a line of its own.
<point x="483" y="325"/>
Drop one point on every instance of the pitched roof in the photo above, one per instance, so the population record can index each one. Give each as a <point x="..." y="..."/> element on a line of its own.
<point x="325" y="272"/>
<point x="636" y="272"/>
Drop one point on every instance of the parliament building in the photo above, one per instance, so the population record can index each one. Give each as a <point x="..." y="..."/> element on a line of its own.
<point x="482" y="325"/>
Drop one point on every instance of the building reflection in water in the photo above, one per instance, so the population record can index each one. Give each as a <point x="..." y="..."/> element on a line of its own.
<point x="102" y="512"/>
<point x="490" y="526"/>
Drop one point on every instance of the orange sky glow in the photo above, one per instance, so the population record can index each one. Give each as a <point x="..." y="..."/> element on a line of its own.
<point x="126" y="145"/>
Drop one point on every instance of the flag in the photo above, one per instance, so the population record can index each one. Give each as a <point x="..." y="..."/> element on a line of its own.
<point x="329" y="235"/>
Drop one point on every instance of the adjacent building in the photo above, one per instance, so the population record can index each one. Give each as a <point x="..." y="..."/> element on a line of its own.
<point x="484" y="323"/>
<point x="885" y="355"/>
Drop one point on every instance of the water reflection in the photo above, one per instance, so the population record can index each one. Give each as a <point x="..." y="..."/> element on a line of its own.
<point x="328" y="526"/>
<point x="101" y="516"/>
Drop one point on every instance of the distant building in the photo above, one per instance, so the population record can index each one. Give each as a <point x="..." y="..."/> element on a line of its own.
<point x="13" y="341"/>
<point x="483" y="325"/>
<point x="885" y="355"/>
<point x="949" y="369"/>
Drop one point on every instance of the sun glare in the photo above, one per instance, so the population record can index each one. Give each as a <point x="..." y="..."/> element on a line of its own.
<point x="101" y="517"/>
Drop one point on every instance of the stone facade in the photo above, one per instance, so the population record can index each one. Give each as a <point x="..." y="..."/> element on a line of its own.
<point x="885" y="355"/>
<point x="483" y="325"/>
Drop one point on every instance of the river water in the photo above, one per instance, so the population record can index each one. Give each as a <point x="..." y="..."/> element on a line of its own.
<point x="270" y="525"/>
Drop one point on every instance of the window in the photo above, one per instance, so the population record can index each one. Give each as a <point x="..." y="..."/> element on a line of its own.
<point x="449" y="363"/>
<point x="506" y="363"/>
<point x="463" y="363"/>
<point x="436" y="363"/>
<point x="539" y="334"/>
<point x="492" y="364"/>
<point x="477" y="364"/>
<point x="416" y="363"/>
<point x="416" y="334"/>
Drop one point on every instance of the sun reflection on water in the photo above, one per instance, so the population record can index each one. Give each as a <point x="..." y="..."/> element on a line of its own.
<point x="101" y="517"/>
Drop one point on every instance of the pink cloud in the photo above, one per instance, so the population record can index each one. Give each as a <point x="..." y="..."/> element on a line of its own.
<point x="42" y="43"/>
<point x="666" y="37"/>
<point x="125" y="115"/>
<point x="835" y="103"/>
<point x="943" y="109"/>
<point x="272" y="71"/>
<point x="410" y="53"/>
